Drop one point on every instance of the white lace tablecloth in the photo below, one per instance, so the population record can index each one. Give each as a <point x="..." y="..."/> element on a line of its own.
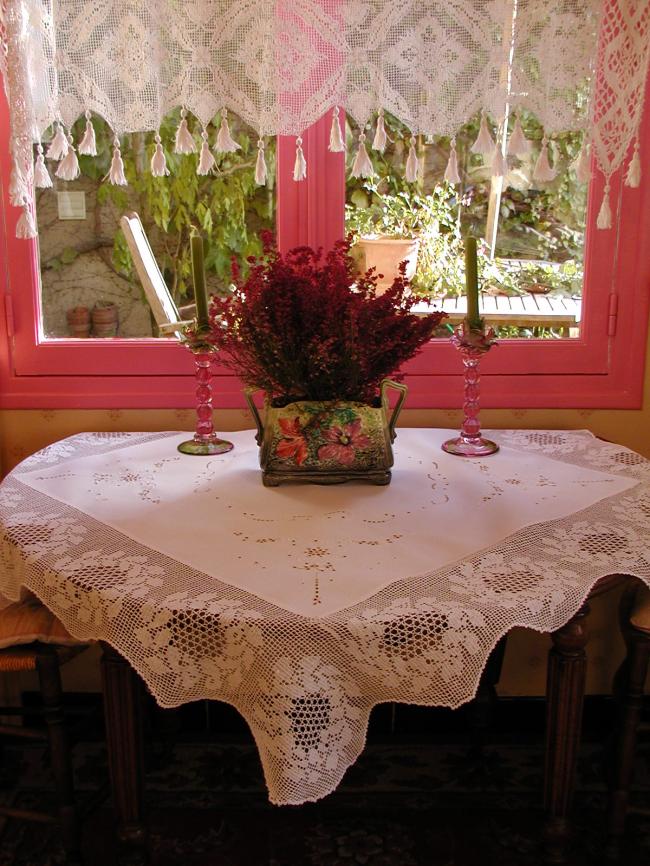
<point x="304" y="606"/>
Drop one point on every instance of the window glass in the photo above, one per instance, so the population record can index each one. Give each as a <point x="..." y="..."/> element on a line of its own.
<point x="532" y="233"/>
<point x="89" y="286"/>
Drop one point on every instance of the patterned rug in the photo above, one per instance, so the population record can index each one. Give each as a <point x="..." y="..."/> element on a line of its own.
<point x="400" y="805"/>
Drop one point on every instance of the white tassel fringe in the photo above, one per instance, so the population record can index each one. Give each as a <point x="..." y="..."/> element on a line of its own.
<point x="158" y="160"/>
<point x="69" y="166"/>
<point x="337" y="143"/>
<point x="206" y="159"/>
<point x="362" y="166"/>
<point x="184" y="142"/>
<point x="518" y="144"/>
<point x="26" y="227"/>
<point x="604" y="220"/>
<point x="380" y="139"/>
<point x="543" y="172"/>
<point x="499" y="164"/>
<point x="225" y="142"/>
<point x="59" y="145"/>
<point x="300" y="165"/>
<point x="451" y="172"/>
<point x="582" y="165"/>
<point x="42" y="178"/>
<point x="260" y="164"/>
<point x="17" y="187"/>
<point x="633" y="176"/>
<point x="116" y="174"/>
<point x="484" y="143"/>
<point x="88" y="144"/>
<point x="412" y="163"/>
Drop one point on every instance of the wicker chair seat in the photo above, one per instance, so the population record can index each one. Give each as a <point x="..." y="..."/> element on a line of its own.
<point x="28" y="621"/>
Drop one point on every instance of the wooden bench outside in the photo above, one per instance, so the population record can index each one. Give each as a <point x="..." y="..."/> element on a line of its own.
<point x="521" y="311"/>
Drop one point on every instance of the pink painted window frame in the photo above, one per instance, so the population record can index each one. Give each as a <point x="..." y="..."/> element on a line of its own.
<point x="595" y="371"/>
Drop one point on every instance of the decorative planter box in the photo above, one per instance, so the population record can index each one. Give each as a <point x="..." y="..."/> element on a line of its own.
<point x="328" y="442"/>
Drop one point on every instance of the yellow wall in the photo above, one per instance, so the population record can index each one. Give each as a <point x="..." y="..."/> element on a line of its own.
<point x="24" y="431"/>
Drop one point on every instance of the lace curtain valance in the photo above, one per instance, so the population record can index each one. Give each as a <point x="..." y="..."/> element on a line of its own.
<point x="281" y="64"/>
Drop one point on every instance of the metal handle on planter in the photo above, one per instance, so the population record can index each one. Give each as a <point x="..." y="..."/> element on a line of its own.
<point x="403" y="391"/>
<point x="248" y="394"/>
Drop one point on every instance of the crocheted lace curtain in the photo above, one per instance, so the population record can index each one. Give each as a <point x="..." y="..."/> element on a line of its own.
<point x="281" y="64"/>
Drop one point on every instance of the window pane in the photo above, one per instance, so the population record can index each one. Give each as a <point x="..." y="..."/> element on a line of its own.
<point x="87" y="274"/>
<point x="531" y="273"/>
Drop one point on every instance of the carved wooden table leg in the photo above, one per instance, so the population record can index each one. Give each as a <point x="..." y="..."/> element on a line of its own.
<point x="629" y="688"/>
<point x="122" y="694"/>
<point x="49" y="675"/>
<point x="567" y="667"/>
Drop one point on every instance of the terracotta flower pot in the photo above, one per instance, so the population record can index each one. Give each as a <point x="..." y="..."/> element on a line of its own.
<point x="105" y="320"/>
<point x="78" y="319"/>
<point x="538" y="289"/>
<point x="386" y="254"/>
<point x="328" y="441"/>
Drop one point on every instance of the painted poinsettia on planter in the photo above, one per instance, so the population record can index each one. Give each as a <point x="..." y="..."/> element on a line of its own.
<point x="320" y="341"/>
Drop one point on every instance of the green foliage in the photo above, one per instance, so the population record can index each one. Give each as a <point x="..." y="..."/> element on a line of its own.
<point x="227" y="207"/>
<point x="68" y="255"/>
<point x="405" y="215"/>
<point x="534" y="223"/>
<point x="541" y="231"/>
<point x="122" y="261"/>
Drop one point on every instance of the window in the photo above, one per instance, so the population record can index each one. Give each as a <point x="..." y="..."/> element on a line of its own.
<point x="600" y="367"/>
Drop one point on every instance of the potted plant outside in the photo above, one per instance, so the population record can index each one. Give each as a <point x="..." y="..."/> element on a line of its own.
<point x="320" y="340"/>
<point x="105" y="319"/>
<point x="387" y="230"/>
<point x="78" y="319"/>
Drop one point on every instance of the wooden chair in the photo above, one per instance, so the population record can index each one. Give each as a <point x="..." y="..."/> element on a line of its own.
<point x="33" y="639"/>
<point x="630" y="685"/>
<point x="169" y="318"/>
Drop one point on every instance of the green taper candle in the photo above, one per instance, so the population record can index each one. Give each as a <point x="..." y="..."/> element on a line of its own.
<point x="471" y="283"/>
<point x="198" y="278"/>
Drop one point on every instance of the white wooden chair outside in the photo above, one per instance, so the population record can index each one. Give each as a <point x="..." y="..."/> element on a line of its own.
<point x="167" y="315"/>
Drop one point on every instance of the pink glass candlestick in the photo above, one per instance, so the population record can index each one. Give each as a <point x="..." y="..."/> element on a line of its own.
<point x="205" y="439"/>
<point x="472" y="343"/>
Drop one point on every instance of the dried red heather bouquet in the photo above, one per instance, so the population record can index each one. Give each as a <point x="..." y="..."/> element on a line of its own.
<point x="304" y="326"/>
